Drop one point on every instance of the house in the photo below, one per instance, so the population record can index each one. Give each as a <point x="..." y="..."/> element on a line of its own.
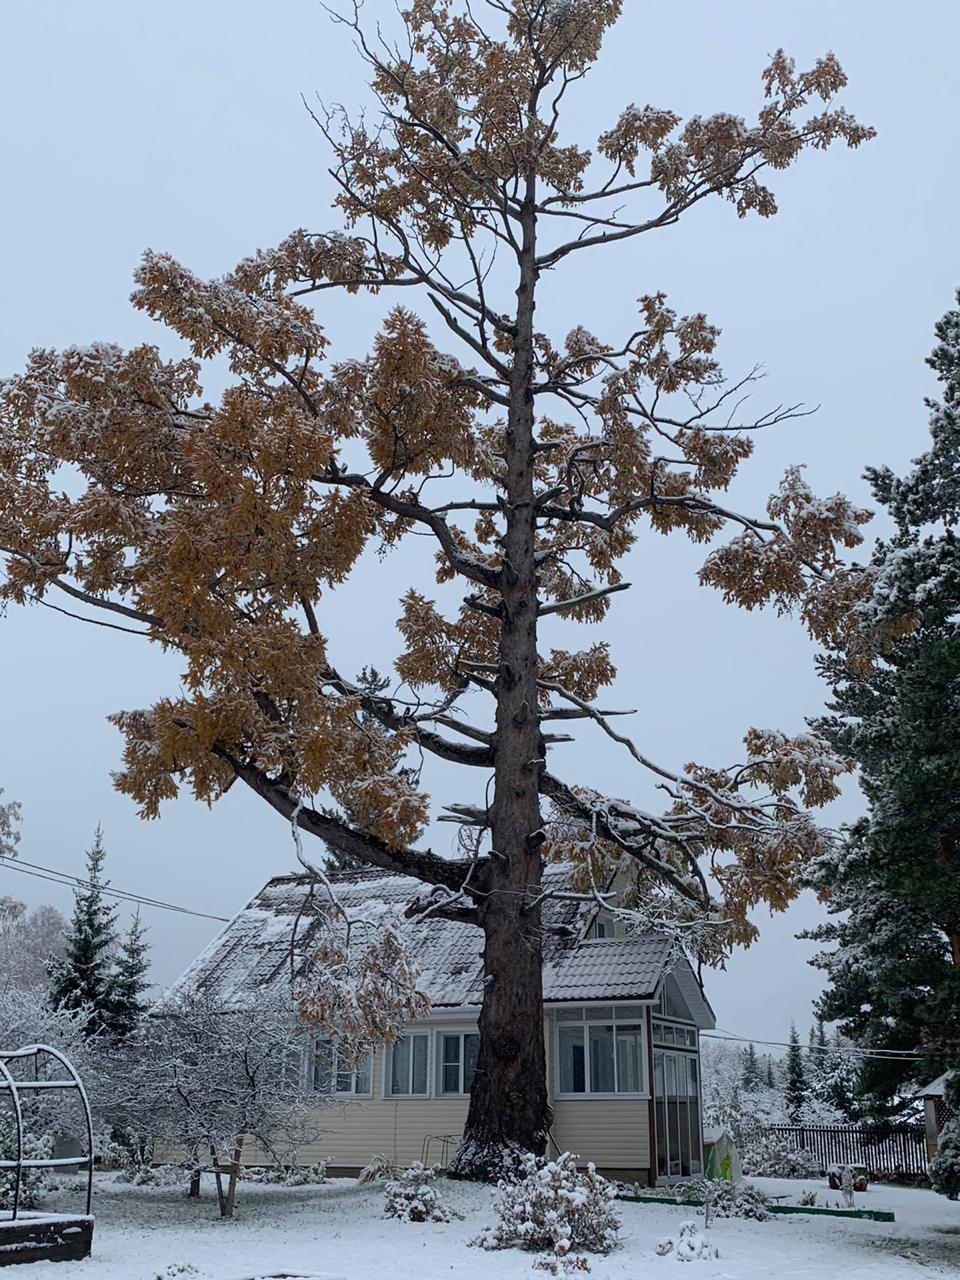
<point x="622" y="1017"/>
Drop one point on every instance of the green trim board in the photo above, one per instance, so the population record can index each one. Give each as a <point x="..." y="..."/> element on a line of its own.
<point x="873" y="1215"/>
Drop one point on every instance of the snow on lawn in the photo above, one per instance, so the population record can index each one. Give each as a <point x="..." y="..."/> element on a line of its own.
<point x="337" y="1230"/>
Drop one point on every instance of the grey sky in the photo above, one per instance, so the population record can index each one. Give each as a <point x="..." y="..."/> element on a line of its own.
<point x="177" y="125"/>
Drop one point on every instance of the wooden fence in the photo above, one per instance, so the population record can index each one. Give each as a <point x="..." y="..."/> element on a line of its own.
<point x="891" y="1149"/>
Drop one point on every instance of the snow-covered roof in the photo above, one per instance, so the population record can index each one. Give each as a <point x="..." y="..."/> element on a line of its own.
<point x="269" y="940"/>
<point x="935" y="1089"/>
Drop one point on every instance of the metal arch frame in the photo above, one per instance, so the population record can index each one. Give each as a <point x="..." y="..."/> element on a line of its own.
<point x="8" y="1084"/>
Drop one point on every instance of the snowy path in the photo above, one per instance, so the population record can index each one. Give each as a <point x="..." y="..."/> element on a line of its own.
<point x="336" y="1231"/>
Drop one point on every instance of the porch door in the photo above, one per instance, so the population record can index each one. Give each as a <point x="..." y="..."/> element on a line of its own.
<point x="676" y="1100"/>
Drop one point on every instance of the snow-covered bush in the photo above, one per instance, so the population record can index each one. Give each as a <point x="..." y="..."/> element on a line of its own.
<point x="771" y="1155"/>
<point x="808" y="1199"/>
<point x="554" y="1206"/>
<point x="152" y="1175"/>
<point x="945" y="1167"/>
<point x="726" y="1199"/>
<point x="37" y="1145"/>
<point x="288" y="1175"/>
<point x="689" y="1245"/>
<point x="412" y="1197"/>
<point x="380" y="1169"/>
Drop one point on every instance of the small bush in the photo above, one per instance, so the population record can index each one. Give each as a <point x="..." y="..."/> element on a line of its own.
<point x="288" y="1175"/>
<point x="726" y="1199"/>
<point x="689" y="1245"/>
<point x="381" y="1168"/>
<point x="773" y="1156"/>
<point x="554" y="1206"/>
<point x="411" y="1196"/>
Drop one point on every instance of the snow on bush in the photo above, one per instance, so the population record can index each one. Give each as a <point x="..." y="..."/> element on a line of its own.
<point x="553" y="1206"/>
<point x="770" y="1155"/>
<point x="288" y="1175"/>
<point x="380" y="1168"/>
<point x="412" y="1197"/>
<point x="944" y="1169"/>
<point x="727" y="1199"/>
<point x="37" y="1145"/>
<point x="689" y="1245"/>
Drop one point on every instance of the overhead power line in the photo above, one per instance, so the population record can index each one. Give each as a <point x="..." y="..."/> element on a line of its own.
<point x="75" y="882"/>
<point x="882" y="1055"/>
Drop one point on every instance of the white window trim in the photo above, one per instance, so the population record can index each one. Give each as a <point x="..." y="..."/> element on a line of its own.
<point x="679" y="1023"/>
<point x="586" y="1021"/>
<point x="335" y="1072"/>
<point x="388" y="1067"/>
<point x="439" y="1033"/>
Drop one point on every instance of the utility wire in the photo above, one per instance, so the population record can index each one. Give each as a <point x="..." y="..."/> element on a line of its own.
<point x="62" y="877"/>
<point x="882" y="1055"/>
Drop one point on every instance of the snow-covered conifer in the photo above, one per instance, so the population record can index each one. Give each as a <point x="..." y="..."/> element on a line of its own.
<point x="794" y="1077"/>
<point x="893" y="887"/>
<point x="83" y="977"/>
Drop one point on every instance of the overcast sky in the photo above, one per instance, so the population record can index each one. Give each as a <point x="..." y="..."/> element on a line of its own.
<point x="177" y="125"/>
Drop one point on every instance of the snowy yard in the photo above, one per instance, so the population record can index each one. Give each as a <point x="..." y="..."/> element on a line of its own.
<point x="336" y="1230"/>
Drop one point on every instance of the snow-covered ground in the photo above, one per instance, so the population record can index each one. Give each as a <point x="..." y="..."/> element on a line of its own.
<point x="336" y="1230"/>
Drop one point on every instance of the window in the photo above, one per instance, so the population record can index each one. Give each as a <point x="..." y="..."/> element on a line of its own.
<point x="601" y="1051"/>
<point x="408" y="1066"/>
<point x="666" y="1033"/>
<point x="458" y="1060"/>
<point x="603" y="925"/>
<point x="333" y="1072"/>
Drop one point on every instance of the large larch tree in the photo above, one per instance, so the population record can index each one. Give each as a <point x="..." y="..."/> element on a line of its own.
<point x="533" y="460"/>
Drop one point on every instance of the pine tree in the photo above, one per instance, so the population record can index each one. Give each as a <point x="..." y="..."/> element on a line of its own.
<point x="83" y="978"/>
<point x="893" y="886"/>
<point x="770" y="1079"/>
<point x="795" y="1077"/>
<point x="129" y="982"/>
<point x="751" y="1079"/>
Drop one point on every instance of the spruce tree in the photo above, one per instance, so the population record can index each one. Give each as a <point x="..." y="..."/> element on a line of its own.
<point x="795" y="1078"/>
<point x="129" y="983"/>
<point x="751" y="1078"/>
<point x="893" y="886"/>
<point x="83" y="978"/>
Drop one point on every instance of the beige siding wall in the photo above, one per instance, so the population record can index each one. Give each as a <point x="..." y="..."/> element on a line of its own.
<point x="613" y="1133"/>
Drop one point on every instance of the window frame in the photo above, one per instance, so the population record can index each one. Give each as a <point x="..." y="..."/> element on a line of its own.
<point x="592" y="1015"/>
<point x="675" y="1024"/>
<point x="336" y="1071"/>
<point x="388" y="1067"/>
<point x="461" y="1033"/>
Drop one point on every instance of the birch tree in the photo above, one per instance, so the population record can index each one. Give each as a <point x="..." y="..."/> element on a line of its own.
<point x="531" y="461"/>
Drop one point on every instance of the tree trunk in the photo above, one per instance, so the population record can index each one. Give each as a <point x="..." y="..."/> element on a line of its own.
<point x="234" y="1174"/>
<point x="221" y="1200"/>
<point x="194" y="1189"/>
<point x="509" y="1112"/>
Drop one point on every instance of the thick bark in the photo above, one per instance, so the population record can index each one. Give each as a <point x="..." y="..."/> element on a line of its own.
<point x="509" y="1112"/>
